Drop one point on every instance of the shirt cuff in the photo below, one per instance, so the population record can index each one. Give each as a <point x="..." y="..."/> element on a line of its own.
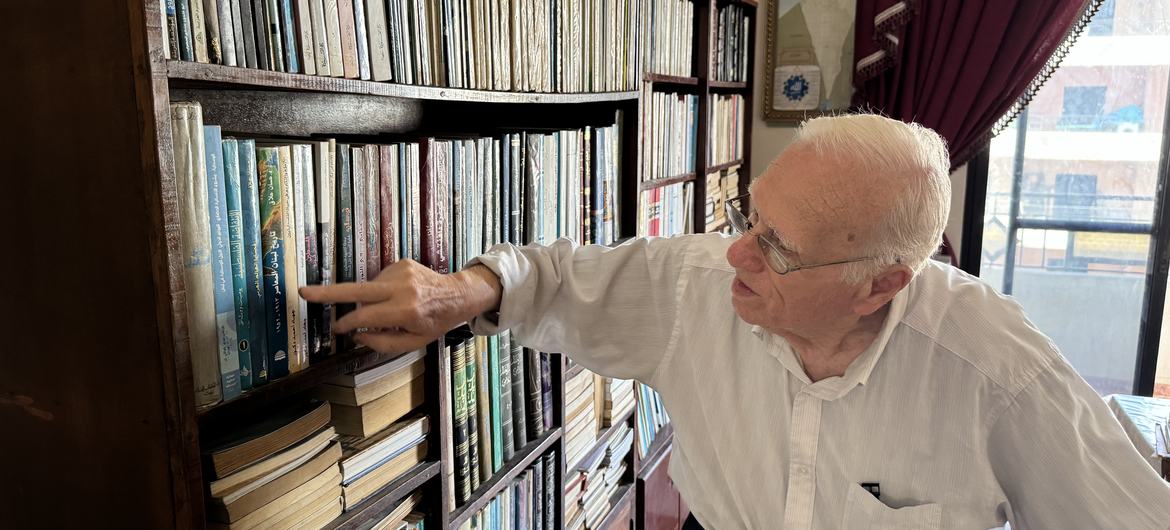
<point x="501" y="260"/>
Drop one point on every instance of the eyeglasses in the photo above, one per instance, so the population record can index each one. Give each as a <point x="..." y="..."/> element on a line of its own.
<point x="769" y="242"/>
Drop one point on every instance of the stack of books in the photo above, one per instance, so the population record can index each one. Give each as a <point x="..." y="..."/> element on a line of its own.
<point x="594" y="481"/>
<point x="721" y="187"/>
<point x="651" y="417"/>
<point x="501" y="401"/>
<point x="275" y="473"/>
<point x="528" y="502"/>
<point x="619" y="399"/>
<point x="526" y="45"/>
<point x="402" y="517"/>
<point x="581" y="413"/>
<point x="367" y="408"/>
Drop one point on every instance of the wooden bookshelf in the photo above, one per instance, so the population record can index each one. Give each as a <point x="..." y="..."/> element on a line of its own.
<point x="725" y="165"/>
<point x="660" y="445"/>
<point x="504" y="477"/>
<point x="671" y="80"/>
<point x="658" y="183"/>
<point x="620" y="508"/>
<point x="386" y="498"/>
<point x="727" y="86"/>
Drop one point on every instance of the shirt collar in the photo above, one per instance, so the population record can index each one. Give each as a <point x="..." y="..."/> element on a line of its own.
<point x="858" y="371"/>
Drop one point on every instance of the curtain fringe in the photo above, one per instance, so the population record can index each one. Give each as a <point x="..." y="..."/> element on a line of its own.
<point x="885" y="29"/>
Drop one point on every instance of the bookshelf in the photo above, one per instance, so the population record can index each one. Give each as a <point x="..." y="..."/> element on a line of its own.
<point x="97" y="376"/>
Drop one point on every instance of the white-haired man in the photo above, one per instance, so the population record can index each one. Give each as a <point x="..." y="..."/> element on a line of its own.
<point x="845" y="356"/>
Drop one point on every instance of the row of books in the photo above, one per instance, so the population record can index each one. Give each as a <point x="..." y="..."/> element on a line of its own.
<point x="727" y="119"/>
<point x="670" y="132"/>
<point x="652" y="417"/>
<point x="581" y="415"/>
<point x="666" y="210"/>
<point x="729" y="60"/>
<point x="673" y="30"/>
<point x="721" y="187"/>
<point x="528" y="502"/>
<point x="260" y="218"/>
<point x="591" y="484"/>
<point x="511" y="45"/>
<point x="501" y="400"/>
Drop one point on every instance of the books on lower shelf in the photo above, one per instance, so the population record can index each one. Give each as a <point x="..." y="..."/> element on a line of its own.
<point x="721" y="187"/>
<point x="651" y="417"/>
<point x="581" y="415"/>
<point x="407" y="515"/>
<point x="727" y="122"/>
<point x="669" y="132"/>
<point x="501" y="401"/>
<point x="729" y="54"/>
<point x="591" y="484"/>
<point x="666" y="210"/>
<point x="565" y="46"/>
<point x="618" y="398"/>
<point x="302" y="212"/>
<point x="672" y="42"/>
<point x="529" y="501"/>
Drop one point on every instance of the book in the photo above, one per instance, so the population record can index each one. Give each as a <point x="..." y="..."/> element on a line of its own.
<point x="293" y="252"/>
<point x="313" y="312"/>
<point x="282" y="511"/>
<point x="388" y="192"/>
<point x="373" y="250"/>
<point x="247" y="37"/>
<point x="362" y="38"/>
<point x="273" y="466"/>
<point x="253" y="252"/>
<point x="345" y="226"/>
<point x="272" y="240"/>
<point x="504" y="368"/>
<point x="366" y="419"/>
<point x="333" y="38"/>
<point x="363" y="487"/>
<point x="233" y="507"/>
<point x="260" y="31"/>
<point x="483" y="399"/>
<point x="368" y="385"/>
<point x="211" y="26"/>
<point x="304" y="34"/>
<point x="357" y="161"/>
<point x="320" y="37"/>
<point x="474" y="421"/>
<point x="239" y="267"/>
<point x="326" y="161"/>
<point x="362" y="454"/>
<point x="264" y="436"/>
<point x="460" y="433"/>
<point x="379" y="46"/>
<point x="221" y="266"/>
<point x="347" y="19"/>
<point x="288" y="29"/>
<point x="191" y="187"/>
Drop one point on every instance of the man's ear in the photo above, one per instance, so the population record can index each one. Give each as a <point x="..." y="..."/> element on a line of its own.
<point x="882" y="288"/>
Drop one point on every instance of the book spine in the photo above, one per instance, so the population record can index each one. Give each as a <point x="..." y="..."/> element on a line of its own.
<point x="538" y="503"/>
<point x="519" y="409"/>
<point x="435" y="208"/>
<point x="211" y="26"/>
<point x="247" y="33"/>
<point x="260" y="31"/>
<point x="198" y="30"/>
<point x="272" y="204"/>
<point x="326" y="233"/>
<point x="186" y="46"/>
<point x="312" y="264"/>
<point x="471" y="391"/>
<point x="362" y="37"/>
<point x="345" y="9"/>
<point x="379" y="48"/>
<point x="345" y="222"/>
<point x="460" y="432"/>
<point x="357" y="163"/>
<point x="227" y="32"/>
<point x="550" y="489"/>
<point x="496" y="403"/>
<point x="289" y="37"/>
<point x="305" y="37"/>
<point x="187" y="131"/>
<point x="221" y="265"/>
<point x="320" y="37"/>
<point x="275" y="36"/>
<point x="483" y="400"/>
<point x="171" y="27"/>
<point x="253" y="259"/>
<point x="333" y="29"/>
<point x="388" y="203"/>
<point x="293" y="258"/>
<point x="239" y="266"/>
<point x="373" y="253"/>
<point x="532" y="375"/>
<point x="238" y="29"/>
<point x="415" y="203"/>
<point x="505" y="377"/>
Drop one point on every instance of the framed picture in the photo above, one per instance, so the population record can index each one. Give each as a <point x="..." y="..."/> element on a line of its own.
<point x="808" y="59"/>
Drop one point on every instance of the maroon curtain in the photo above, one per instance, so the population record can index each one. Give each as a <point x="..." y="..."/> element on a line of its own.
<point x="959" y="66"/>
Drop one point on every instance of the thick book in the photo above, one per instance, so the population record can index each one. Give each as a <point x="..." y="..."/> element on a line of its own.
<point x="211" y="26"/>
<point x="327" y="238"/>
<point x="320" y="37"/>
<point x="288" y="27"/>
<point x="275" y="36"/>
<point x="345" y="227"/>
<point x="362" y="38"/>
<point x="388" y="204"/>
<point x="304" y="31"/>
<point x="290" y="509"/>
<point x="333" y="33"/>
<point x="483" y="401"/>
<point x="362" y="488"/>
<point x="435" y="207"/>
<point x="293" y="260"/>
<point x="379" y="49"/>
<point x="260" y="31"/>
<point x="505" y="376"/>
<point x="312" y="276"/>
<point x="221" y="264"/>
<point x="360" y="455"/>
<point x="519" y="401"/>
<point x="461" y="462"/>
<point x="533" y="390"/>
<point x="364" y="420"/>
<point x="229" y="512"/>
<point x="349" y="63"/>
<point x="247" y="42"/>
<point x="474" y="421"/>
<point x="357" y="164"/>
<point x="263" y="436"/>
<point x="239" y="265"/>
<point x="343" y="390"/>
<point x="373" y="251"/>
<point x="494" y="365"/>
<point x="267" y="469"/>
<point x="253" y="260"/>
<point x="190" y="180"/>
<point x="272" y="204"/>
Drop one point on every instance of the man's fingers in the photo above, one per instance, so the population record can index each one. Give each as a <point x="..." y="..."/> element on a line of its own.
<point x="391" y="341"/>
<point x="383" y="315"/>
<point x="366" y="292"/>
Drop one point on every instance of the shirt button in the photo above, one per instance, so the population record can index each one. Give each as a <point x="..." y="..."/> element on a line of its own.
<point x="800" y="470"/>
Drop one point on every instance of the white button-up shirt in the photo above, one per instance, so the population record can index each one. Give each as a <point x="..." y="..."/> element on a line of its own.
<point x="963" y="413"/>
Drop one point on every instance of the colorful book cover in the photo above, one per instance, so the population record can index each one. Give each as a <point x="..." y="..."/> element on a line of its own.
<point x="493" y="354"/>
<point x="293" y="260"/>
<point x="190" y="177"/>
<point x="532" y="377"/>
<point x="326" y="234"/>
<point x="288" y="37"/>
<point x="221" y="264"/>
<point x="505" y="370"/>
<point x="253" y="259"/>
<point x="231" y="170"/>
<point x="171" y="21"/>
<point x="460" y="434"/>
<point x="519" y="403"/>
<point x="473" y="420"/>
<point x="275" y="37"/>
<point x="345" y="248"/>
<point x="483" y="399"/>
<point x="272" y="239"/>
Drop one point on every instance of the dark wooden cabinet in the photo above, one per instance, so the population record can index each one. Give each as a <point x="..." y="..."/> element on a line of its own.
<point x="660" y="507"/>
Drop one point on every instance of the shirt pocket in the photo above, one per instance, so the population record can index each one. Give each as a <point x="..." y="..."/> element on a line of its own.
<point x="863" y="511"/>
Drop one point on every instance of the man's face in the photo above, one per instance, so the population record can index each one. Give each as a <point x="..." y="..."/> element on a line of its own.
<point x="821" y="217"/>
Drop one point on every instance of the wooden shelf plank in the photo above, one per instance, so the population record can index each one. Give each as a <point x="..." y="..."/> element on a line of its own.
<point x="334" y="365"/>
<point x="725" y="165"/>
<point x="663" y="79"/>
<point x="658" y="183"/>
<point x="748" y="3"/>
<point x="231" y="76"/>
<point x="386" y="499"/>
<point x="661" y="442"/>
<point x="486" y="491"/>
<point x="727" y="85"/>
<point x="623" y="495"/>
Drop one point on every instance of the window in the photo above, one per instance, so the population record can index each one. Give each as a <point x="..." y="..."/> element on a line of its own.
<point x="1072" y="195"/>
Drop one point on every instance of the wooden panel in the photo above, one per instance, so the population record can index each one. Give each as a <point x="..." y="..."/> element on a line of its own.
<point x="658" y="502"/>
<point x="621" y="512"/>
<point x="83" y="404"/>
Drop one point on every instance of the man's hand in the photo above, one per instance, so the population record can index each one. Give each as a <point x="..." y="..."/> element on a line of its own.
<point x="408" y="305"/>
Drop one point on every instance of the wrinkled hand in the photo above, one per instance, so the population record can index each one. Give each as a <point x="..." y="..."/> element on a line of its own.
<point x="408" y="305"/>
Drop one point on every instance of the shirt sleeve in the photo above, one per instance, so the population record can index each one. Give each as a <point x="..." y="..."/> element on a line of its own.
<point x="610" y="309"/>
<point x="1064" y="461"/>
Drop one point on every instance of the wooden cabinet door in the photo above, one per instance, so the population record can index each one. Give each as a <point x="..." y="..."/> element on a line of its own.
<point x="658" y="501"/>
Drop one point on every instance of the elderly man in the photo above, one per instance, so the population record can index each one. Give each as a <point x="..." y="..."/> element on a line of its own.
<point x="819" y="351"/>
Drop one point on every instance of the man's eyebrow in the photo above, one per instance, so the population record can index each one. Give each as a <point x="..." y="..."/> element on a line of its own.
<point x="785" y="243"/>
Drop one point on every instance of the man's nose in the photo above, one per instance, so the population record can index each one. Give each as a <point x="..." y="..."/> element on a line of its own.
<point x="745" y="254"/>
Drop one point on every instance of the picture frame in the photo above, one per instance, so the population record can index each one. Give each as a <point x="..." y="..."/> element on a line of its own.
<point x="807" y="73"/>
